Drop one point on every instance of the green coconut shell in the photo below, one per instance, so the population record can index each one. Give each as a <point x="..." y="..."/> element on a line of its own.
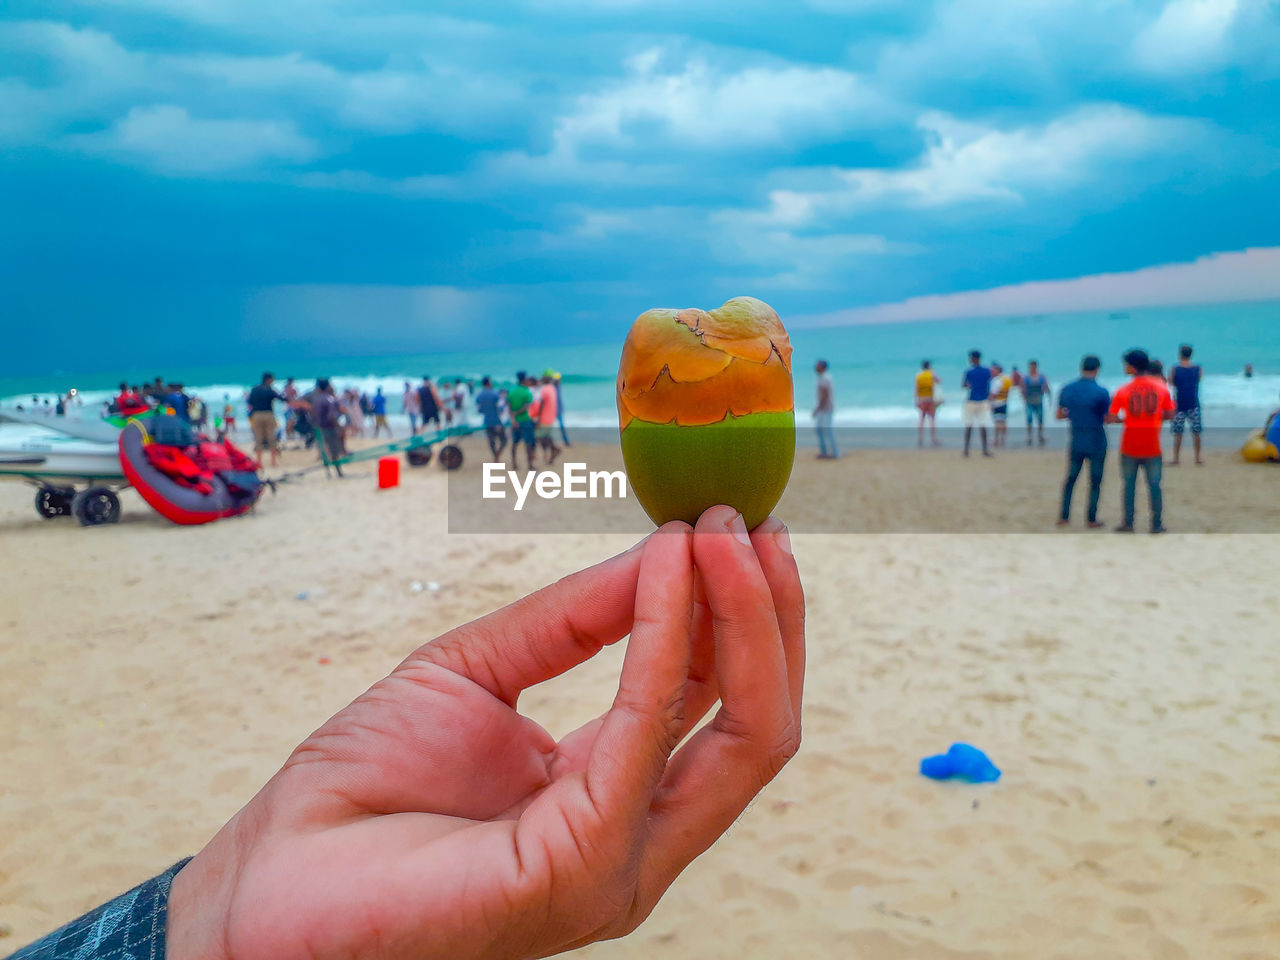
<point x="679" y="471"/>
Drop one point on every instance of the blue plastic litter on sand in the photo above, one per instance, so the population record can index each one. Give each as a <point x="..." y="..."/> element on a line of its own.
<point x="961" y="762"/>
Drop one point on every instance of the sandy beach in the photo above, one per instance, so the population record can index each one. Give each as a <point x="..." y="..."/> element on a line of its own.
<point x="152" y="677"/>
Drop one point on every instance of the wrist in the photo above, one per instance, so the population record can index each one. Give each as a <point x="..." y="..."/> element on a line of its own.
<point x="200" y="899"/>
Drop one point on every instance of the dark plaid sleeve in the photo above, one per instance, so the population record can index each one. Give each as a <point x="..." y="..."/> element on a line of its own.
<point x="130" y="927"/>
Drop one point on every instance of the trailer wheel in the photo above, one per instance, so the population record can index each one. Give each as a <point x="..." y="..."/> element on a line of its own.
<point x="450" y="457"/>
<point x="95" y="506"/>
<point x="418" y="456"/>
<point x="54" y="502"/>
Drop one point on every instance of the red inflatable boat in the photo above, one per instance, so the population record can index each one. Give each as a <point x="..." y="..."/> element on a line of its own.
<point x="184" y="477"/>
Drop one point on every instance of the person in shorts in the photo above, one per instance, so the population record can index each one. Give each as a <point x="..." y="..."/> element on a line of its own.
<point x="262" y="419"/>
<point x="520" y="400"/>
<point x="1001" y="384"/>
<point x="927" y="383"/>
<point x="228" y="413"/>
<point x="1185" y="380"/>
<point x="977" y="408"/>
<point x="544" y="427"/>
<point x="429" y="404"/>
<point x="379" y="407"/>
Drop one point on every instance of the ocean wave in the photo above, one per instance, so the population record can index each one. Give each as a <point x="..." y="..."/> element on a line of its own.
<point x="1228" y="400"/>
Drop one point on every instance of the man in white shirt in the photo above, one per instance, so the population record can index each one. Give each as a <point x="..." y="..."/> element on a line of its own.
<point x="412" y="407"/>
<point x="824" y="412"/>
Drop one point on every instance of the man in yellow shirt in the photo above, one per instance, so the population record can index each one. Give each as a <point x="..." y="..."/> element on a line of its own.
<point x="927" y="403"/>
<point x="1001" y="384"/>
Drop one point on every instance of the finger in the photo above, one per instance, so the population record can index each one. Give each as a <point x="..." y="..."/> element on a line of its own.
<point x="643" y="726"/>
<point x="542" y="635"/>
<point x="702" y="689"/>
<point x="710" y="781"/>
<point x="772" y="543"/>
<point x="700" y="694"/>
<point x="750" y="664"/>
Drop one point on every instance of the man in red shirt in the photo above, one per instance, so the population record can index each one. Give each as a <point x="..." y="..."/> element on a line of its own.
<point x="1146" y="404"/>
<point x="129" y="403"/>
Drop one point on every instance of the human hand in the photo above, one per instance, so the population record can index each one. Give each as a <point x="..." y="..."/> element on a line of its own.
<point x="429" y="819"/>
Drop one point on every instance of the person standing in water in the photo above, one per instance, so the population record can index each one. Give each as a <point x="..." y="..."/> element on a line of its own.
<point x="1146" y="404"/>
<point x="228" y="413"/>
<point x="1085" y="403"/>
<point x="824" y="413"/>
<point x="1185" y="378"/>
<point x="1035" y="392"/>
<point x="927" y="383"/>
<point x="977" y="408"/>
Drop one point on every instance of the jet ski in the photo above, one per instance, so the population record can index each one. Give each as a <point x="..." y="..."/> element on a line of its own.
<point x="55" y="463"/>
<point x="75" y="424"/>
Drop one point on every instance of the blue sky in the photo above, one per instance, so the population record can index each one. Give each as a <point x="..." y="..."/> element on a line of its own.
<point x="369" y="176"/>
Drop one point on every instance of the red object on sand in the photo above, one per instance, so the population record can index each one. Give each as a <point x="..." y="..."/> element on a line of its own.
<point x="388" y="472"/>
<point x="188" y="483"/>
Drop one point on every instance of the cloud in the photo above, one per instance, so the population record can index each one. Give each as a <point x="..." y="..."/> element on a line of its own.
<point x="990" y="51"/>
<point x="438" y="96"/>
<point x="968" y="162"/>
<point x="1188" y="36"/>
<point x="1237" y="276"/>
<point x="84" y="72"/>
<point x="695" y="103"/>
<point x="169" y="140"/>
<point x="736" y="248"/>
<point x="87" y="77"/>
<point x="669" y="105"/>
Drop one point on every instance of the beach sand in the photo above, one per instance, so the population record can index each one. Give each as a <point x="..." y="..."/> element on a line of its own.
<point x="152" y="677"/>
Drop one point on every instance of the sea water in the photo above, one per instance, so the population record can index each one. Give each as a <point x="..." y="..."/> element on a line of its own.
<point x="873" y="366"/>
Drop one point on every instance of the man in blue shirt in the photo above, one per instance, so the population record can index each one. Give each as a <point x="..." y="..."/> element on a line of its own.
<point x="977" y="408"/>
<point x="180" y="402"/>
<point x="379" y="408"/>
<point x="1085" y="403"/>
<point x="1185" y="379"/>
<point x="487" y="402"/>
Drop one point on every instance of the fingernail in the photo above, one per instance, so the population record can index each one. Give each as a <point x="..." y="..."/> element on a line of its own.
<point x="783" y="539"/>
<point x="738" y="527"/>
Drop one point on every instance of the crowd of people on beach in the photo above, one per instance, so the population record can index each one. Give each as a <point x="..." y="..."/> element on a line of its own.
<point x="1142" y="405"/>
<point x="522" y="414"/>
<point x="528" y="411"/>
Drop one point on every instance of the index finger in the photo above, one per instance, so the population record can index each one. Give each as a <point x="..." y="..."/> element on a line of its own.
<point x="646" y="720"/>
<point x="544" y="634"/>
